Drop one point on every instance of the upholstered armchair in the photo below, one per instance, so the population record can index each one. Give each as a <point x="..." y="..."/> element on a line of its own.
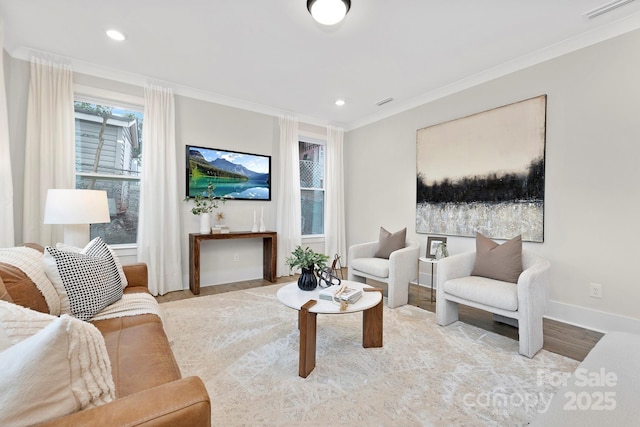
<point x="396" y="272"/>
<point x="519" y="304"/>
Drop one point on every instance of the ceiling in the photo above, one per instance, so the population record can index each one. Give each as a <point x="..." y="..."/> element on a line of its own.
<point x="270" y="56"/>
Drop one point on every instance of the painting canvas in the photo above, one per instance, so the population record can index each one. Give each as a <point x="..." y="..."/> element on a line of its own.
<point x="484" y="173"/>
<point x="234" y="174"/>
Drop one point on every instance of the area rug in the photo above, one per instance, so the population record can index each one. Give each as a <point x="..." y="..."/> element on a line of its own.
<point x="244" y="346"/>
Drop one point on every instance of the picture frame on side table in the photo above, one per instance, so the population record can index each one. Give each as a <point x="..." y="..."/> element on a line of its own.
<point x="432" y="245"/>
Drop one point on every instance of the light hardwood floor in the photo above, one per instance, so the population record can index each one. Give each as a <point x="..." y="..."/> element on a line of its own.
<point x="567" y="340"/>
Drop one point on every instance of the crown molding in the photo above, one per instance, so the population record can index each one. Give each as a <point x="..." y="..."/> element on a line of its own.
<point x="605" y="32"/>
<point x="134" y="79"/>
<point x="597" y="35"/>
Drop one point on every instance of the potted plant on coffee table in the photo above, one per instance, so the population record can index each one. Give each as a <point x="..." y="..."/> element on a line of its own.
<point x="308" y="261"/>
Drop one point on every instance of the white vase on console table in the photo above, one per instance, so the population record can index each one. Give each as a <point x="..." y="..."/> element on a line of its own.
<point x="262" y="227"/>
<point x="205" y="223"/>
<point x="254" y="229"/>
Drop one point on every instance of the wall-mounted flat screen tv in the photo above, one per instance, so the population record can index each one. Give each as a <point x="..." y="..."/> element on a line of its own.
<point x="235" y="175"/>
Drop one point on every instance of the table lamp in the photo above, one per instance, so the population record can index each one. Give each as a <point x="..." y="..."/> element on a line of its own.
<point x="76" y="209"/>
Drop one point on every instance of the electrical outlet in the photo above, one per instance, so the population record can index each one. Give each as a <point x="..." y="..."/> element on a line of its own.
<point x="236" y="257"/>
<point x="595" y="290"/>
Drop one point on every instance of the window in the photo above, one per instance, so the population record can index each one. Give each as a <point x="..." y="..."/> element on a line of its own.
<point x="312" y="187"/>
<point x="108" y="157"/>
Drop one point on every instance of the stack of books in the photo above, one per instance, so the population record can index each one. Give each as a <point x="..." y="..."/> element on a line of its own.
<point x="220" y="229"/>
<point x="349" y="295"/>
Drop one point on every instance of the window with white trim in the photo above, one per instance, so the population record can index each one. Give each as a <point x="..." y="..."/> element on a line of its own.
<point x="312" y="155"/>
<point x="108" y="146"/>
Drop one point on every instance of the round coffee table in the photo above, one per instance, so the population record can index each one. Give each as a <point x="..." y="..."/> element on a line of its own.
<point x="309" y="305"/>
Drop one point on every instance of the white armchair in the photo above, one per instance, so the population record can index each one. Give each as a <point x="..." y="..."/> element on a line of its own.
<point x="521" y="305"/>
<point x="397" y="271"/>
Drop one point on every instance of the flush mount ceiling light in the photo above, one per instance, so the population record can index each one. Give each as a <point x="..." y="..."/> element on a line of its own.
<point x="339" y="102"/>
<point x="328" y="12"/>
<point x="116" y="35"/>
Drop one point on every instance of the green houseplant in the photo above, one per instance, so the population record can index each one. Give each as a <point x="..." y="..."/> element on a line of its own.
<point x="203" y="204"/>
<point x="308" y="261"/>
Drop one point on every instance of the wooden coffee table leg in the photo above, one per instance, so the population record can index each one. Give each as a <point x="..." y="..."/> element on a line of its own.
<point x="307" y="326"/>
<point x="372" y="323"/>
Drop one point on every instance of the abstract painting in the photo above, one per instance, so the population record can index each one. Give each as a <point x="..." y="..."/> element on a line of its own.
<point x="484" y="173"/>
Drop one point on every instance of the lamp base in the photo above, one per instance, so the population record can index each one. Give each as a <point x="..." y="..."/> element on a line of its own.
<point x="77" y="235"/>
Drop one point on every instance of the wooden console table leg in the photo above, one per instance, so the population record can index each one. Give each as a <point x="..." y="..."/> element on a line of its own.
<point x="307" y="325"/>
<point x="194" y="265"/>
<point x="269" y="258"/>
<point x="372" y="323"/>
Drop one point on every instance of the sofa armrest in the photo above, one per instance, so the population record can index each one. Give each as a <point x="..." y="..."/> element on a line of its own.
<point x="136" y="275"/>
<point x="184" y="402"/>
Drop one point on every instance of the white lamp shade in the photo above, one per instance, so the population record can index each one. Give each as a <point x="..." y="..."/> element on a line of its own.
<point x="66" y="206"/>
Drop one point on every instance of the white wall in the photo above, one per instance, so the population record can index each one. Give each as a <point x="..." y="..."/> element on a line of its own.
<point x="592" y="175"/>
<point x="211" y="125"/>
<point x="197" y="123"/>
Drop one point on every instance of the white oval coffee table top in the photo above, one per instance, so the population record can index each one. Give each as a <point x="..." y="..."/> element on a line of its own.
<point x="294" y="297"/>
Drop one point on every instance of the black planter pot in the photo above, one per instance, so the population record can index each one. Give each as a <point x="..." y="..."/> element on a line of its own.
<point x="307" y="280"/>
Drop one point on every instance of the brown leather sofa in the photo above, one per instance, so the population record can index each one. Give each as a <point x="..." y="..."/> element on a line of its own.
<point x="150" y="390"/>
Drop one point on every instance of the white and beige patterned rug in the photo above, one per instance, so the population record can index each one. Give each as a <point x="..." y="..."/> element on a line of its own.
<point x="244" y="346"/>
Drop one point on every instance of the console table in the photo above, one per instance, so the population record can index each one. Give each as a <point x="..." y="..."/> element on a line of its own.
<point x="269" y="253"/>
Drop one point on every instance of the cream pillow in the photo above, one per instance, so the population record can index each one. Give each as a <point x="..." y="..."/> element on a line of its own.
<point x="59" y="369"/>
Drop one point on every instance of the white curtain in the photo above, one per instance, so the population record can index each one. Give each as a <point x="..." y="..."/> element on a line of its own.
<point x="49" y="150"/>
<point x="159" y="218"/>
<point x="335" y="235"/>
<point x="289" y="218"/>
<point x="6" y="180"/>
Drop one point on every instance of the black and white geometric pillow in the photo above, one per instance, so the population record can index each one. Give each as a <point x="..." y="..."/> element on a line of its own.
<point x="90" y="282"/>
<point x="97" y="247"/>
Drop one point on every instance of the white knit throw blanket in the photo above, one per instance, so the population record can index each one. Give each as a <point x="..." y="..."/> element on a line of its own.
<point x="88" y="369"/>
<point x="30" y="262"/>
<point x="130" y="305"/>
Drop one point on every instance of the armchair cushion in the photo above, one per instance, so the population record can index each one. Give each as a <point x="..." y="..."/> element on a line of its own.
<point x="499" y="262"/>
<point x="390" y="242"/>
<point x="493" y="293"/>
<point x="374" y="266"/>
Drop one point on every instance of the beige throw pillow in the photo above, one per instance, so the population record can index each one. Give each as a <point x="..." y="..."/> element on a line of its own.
<point x="53" y="366"/>
<point x="388" y="242"/>
<point x="499" y="262"/>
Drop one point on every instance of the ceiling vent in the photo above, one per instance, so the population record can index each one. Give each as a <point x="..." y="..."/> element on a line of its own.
<point x="606" y="8"/>
<point x="384" y="101"/>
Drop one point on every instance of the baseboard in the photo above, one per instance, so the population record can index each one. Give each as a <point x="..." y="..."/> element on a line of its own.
<point x="591" y="319"/>
<point x="225" y="277"/>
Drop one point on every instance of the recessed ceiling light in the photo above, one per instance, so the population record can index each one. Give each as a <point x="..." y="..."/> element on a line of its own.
<point x="116" y="35"/>
<point x="339" y="102"/>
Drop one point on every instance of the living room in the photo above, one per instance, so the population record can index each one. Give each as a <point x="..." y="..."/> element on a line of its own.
<point x="590" y="227"/>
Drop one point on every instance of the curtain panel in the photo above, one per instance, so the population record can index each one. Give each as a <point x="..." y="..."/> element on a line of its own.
<point x="7" y="236"/>
<point x="335" y="235"/>
<point x="49" y="150"/>
<point x="159" y="218"/>
<point x="289" y="217"/>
